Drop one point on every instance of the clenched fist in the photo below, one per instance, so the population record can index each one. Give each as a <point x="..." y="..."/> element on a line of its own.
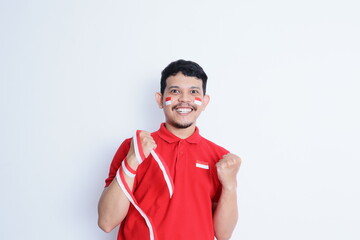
<point x="147" y="142"/>
<point x="227" y="169"/>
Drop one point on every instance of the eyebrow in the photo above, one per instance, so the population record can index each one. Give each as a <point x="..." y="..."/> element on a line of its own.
<point x="193" y="87"/>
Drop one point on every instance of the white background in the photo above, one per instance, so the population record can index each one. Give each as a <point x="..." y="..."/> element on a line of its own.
<point x="77" y="77"/>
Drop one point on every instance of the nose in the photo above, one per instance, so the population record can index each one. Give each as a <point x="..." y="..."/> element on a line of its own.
<point x="185" y="97"/>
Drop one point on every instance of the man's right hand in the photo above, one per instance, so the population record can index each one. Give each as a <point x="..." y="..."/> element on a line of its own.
<point x="147" y="143"/>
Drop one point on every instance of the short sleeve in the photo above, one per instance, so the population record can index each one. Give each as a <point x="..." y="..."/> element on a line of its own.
<point x="217" y="194"/>
<point x="116" y="162"/>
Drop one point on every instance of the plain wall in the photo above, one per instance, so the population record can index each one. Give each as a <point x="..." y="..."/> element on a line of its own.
<point x="77" y="77"/>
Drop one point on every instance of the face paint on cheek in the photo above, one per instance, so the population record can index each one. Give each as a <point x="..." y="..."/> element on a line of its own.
<point x="167" y="101"/>
<point x="198" y="101"/>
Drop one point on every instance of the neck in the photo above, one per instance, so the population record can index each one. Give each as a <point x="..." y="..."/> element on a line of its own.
<point x="182" y="133"/>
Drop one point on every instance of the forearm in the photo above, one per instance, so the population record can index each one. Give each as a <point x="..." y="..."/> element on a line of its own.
<point x="226" y="214"/>
<point x="113" y="205"/>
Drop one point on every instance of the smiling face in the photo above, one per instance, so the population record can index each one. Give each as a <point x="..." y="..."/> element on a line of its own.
<point x="183" y="109"/>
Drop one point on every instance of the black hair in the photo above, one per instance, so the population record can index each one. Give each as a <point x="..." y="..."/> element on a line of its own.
<point x="188" y="68"/>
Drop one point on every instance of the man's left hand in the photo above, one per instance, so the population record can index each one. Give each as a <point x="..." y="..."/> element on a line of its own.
<point x="227" y="169"/>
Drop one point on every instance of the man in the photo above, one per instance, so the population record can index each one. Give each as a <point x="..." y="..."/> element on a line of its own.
<point x="202" y="174"/>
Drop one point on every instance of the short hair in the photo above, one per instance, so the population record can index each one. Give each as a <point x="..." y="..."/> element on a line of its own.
<point x="188" y="68"/>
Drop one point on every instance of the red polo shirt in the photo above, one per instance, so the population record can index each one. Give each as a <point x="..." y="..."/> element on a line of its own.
<point x="188" y="214"/>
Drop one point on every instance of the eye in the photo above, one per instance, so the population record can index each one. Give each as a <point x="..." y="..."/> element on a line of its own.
<point x="194" y="91"/>
<point x="174" y="91"/>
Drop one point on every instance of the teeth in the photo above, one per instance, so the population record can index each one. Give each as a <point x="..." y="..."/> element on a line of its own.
<point x="183" y="110"/>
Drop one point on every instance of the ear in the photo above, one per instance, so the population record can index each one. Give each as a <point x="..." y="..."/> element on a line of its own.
<point x="205" y="101"/>
<point x="159" y="99"/>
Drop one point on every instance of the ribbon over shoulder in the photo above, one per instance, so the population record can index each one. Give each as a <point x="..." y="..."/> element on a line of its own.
<point x="139" y="153"/>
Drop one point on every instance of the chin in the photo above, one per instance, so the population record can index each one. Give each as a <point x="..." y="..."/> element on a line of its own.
<point x="181" y="125"/>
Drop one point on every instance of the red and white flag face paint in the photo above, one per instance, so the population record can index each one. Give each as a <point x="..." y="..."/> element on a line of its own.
<point x="198" y="101"/>
<point x="167" y="101"/>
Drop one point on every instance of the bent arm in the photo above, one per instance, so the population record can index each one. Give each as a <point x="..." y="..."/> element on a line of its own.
<point x="226" y="214"/>
<point x="113" y="205"/>
<point x="226" y="211"/>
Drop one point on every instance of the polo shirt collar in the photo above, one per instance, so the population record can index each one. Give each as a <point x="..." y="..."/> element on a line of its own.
<point x="165" y="134"/>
